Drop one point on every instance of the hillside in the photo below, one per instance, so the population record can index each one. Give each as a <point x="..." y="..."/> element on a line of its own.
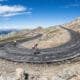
<point x="75" y="24"/>
<point x="53" y="36"/>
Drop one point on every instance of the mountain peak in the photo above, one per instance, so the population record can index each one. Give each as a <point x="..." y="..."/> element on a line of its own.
<point x="73" y="23"/>
<point x="78" y="19"/>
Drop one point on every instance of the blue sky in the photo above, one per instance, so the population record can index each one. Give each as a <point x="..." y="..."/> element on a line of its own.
<point x="33" y="13"/>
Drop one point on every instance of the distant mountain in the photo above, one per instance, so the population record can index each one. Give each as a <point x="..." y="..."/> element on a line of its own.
<point x="75" y="24"/>
<point x="75" y="21"/>
<point x="6" y="31"/>
<point x="52" y="36"/>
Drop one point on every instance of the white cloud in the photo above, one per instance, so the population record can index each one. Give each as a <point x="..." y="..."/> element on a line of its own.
<point x="13" y="14"/>
<point x="2" y="0"/>
<point x="8" y="27"/>
<point x="72" y="5"/>
<point x="8" y="11"/>
<point x="6" y="8"/>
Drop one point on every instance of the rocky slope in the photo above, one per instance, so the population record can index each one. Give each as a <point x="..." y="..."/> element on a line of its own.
<point x="75" y="24"/>
<point x="52" y="36"/>
<point x="49" y="34"/>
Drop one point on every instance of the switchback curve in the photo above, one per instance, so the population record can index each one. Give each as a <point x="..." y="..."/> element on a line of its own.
<point x="69" y="50"/>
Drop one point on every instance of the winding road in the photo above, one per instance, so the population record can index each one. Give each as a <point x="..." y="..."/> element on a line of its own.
<point x="69" y="50"/>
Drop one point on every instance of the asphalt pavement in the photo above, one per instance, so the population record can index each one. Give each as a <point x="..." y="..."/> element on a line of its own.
<point x="69" y="50"/>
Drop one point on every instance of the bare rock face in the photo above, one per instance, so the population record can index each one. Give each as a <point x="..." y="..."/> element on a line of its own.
<point x="51" y="37"/>
<point x="72" y="23"/>
<point x="75" y="24"/>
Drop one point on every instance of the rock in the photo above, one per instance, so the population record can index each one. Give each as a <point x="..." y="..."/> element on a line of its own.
<point x="56" y="78"/>
<point x="20" y="74"/>
<point x="74" y="78"/>
<point x="43" y="78"/>
<point x="66" y="75"/>
<point x="78" y="77"/>
<point x="1" y="78"/>
<point x="34" y="77"/>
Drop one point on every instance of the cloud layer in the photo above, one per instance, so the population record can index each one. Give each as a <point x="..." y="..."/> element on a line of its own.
<point x="2" y="0"/>
<point x="72" y="5"/>
<point x="7" y="11"/>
